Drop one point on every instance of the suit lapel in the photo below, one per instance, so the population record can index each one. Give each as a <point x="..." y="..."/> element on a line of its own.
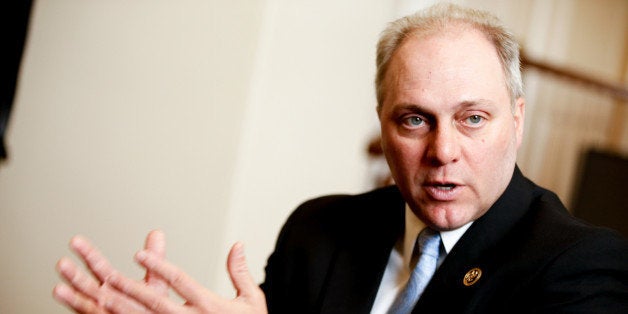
<point x="361" y="257"/>
<point x="473" y="251"/>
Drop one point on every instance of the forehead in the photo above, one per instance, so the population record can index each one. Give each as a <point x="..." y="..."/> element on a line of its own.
<point x="453" y="64"/>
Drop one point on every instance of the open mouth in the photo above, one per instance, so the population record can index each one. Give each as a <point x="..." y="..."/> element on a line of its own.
<point x="445" y="187"/>
<point x="442" y="191"/>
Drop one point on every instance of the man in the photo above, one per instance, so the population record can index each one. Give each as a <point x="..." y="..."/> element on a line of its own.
<point x="451" y="110"/>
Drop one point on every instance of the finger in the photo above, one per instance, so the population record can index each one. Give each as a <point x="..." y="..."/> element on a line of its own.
<point x="75" y="300"/>
<point x="77" y="278"/>
<point x="143" y="294"/>
<point x="86" y="287"/>
<point x="239" y="272"/>
<point x="156" y="243"/>
<point x="183" y="284"/>
<point x="96" y="262"/>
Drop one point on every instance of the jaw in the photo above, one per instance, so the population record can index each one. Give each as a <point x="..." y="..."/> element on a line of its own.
<point x="445" y="215"/>
<point x="444" y="218"/>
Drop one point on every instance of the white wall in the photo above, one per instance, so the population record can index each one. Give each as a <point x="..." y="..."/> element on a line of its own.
<point x="209" y="119"/>
<point x="311" y="113"/>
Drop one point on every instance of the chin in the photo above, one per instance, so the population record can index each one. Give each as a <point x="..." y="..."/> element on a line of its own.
<point x="445" y="219"/>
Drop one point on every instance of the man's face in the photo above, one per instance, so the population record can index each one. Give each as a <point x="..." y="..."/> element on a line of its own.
<point x="449" y="131"/>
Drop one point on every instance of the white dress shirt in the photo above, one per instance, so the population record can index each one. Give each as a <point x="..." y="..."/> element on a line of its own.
<point x="399" y="265"/>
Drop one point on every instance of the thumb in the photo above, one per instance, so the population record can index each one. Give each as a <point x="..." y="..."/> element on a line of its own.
<point x="239" y="272"/>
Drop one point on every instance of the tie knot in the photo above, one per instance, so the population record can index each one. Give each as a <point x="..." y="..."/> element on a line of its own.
<point x="428" y="242"/>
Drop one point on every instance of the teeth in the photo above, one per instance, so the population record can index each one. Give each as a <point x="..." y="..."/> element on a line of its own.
<point x="446" y="187"/>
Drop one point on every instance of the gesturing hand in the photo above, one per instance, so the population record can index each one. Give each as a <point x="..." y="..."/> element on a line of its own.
<point x="87" y="294"/>
<point x="249" y="299"/>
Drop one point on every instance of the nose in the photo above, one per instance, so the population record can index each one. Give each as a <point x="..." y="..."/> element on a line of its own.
<point x="444" y="147"/>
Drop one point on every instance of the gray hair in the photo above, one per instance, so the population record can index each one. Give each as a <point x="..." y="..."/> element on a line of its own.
<point x="438" y="18"/>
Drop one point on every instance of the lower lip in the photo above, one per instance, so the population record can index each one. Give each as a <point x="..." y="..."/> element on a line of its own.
<point x="443" y="195"/>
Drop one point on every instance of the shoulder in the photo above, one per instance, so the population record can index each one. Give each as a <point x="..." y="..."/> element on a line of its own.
<point x="583" y="266"/>
<point x="316" y="232"/>
<point x="549" y="218"/>
<point x="573" y="236"/>
<point x="343" y="208"/>
<point x="547" y="229"/>
<point x="590" y="270"/>
<point x="342" y="219"/>
<point x="537" y="257"/>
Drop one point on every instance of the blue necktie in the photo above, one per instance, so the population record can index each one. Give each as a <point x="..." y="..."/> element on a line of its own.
<point x="428" y="244"/>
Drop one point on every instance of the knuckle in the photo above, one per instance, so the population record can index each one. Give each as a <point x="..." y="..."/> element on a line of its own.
<point x="259" y="297"/>
<point x="158" y="306"/>
<point x="242" y="268"/>
<point x="84" y="306"/>
<point x="178" y="279"/>
<point x="76" y="279"/>
<point x="99" y="266"/>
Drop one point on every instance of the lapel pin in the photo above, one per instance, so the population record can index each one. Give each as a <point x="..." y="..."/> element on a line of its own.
<point x="472" y="276"/>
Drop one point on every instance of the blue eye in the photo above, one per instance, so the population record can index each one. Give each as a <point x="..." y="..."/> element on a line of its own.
<point x="414" y="121"/>
<point x="475" y="119"/>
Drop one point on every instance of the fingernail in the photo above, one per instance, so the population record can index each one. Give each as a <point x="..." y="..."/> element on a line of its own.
<point x="63" y="289"/>
<point x="107" y="304"/>
<point x="78" y="242"/>
<point x="158" y="232"/>
<point x="61" y="292"/>
<point x="112" y="279"/>
<point x="62" y="264"/>
<point x="74" y="242"/>
<point x="141" y="256"/>
<point x="239" y="248"/>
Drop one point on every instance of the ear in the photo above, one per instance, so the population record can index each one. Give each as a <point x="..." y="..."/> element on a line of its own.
<point x="519" y="117"/>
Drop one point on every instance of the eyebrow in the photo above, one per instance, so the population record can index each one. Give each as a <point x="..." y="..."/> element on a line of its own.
<point x="417" y="108"/>
<point x="476" y="102"/>
<point x="411" y="108"/>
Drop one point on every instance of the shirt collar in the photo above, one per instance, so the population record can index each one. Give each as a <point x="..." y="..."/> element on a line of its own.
<point x="414" y="225"/>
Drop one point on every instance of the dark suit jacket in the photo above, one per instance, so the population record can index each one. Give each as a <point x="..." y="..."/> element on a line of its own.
<point x="534" y="257"/>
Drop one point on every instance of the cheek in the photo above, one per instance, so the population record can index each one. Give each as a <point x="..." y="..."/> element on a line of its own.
<point x="489" y="151"/>
<point x="402" y="155"/>
<point x="405" y="148"/>
<point x="394" y="151"/>
<point x="499" y="141"/>
<point x="497" y="153"/>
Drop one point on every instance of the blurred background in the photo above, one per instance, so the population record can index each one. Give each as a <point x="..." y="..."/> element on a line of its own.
<point x="213" y="119"/>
